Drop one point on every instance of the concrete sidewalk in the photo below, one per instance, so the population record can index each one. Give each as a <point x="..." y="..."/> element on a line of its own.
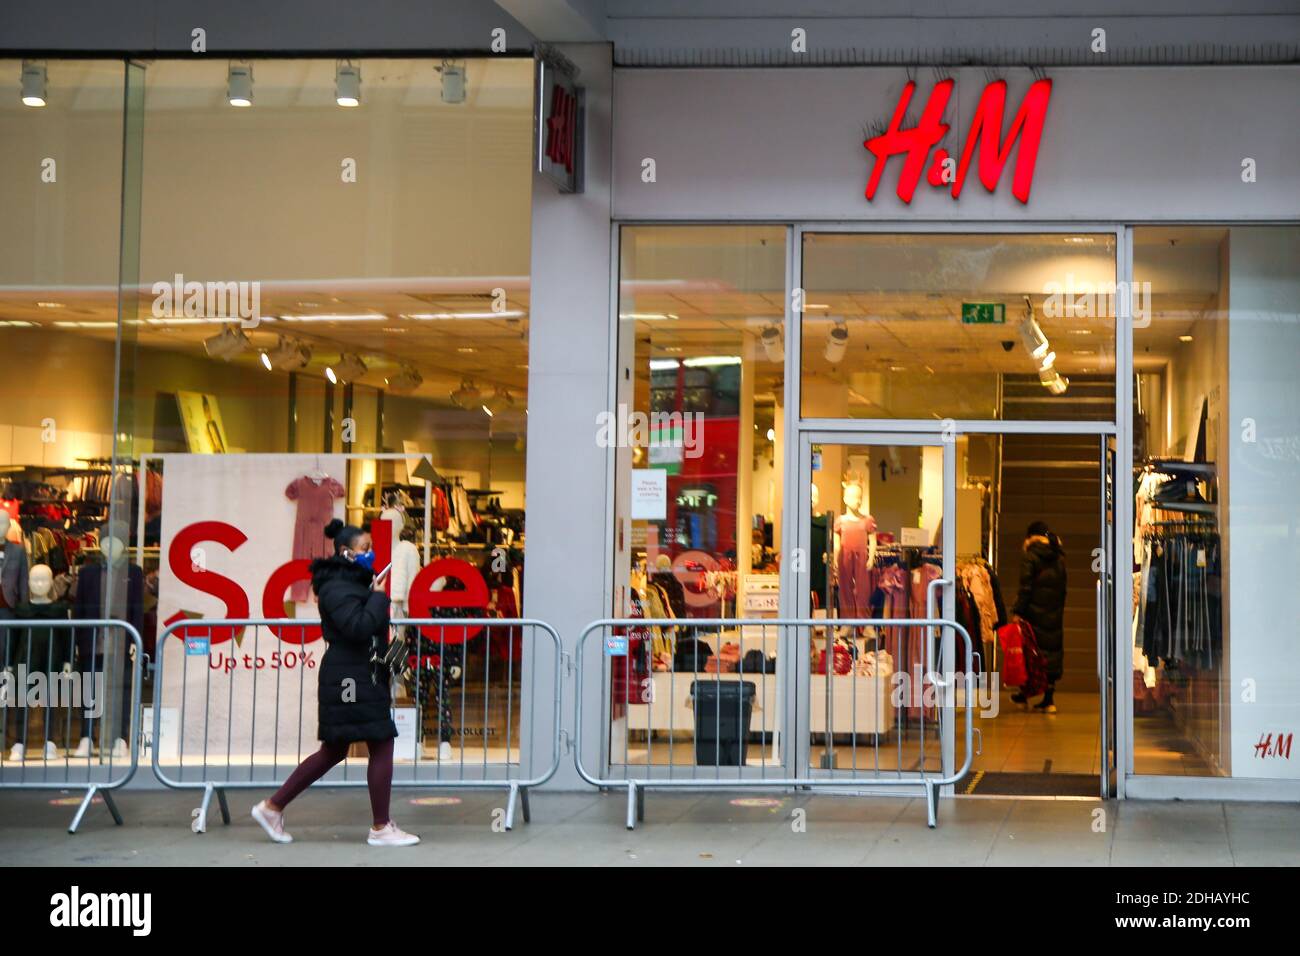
<point x="713" y="829"/>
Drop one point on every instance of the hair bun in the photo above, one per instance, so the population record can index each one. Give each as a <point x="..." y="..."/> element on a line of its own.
<point x="333" y="528"/>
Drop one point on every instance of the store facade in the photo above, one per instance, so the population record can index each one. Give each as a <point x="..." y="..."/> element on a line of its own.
<point x="1055" y="277"/>
<point x="403" y="283"/>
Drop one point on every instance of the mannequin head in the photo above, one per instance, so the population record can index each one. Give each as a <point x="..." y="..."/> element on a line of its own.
<point x="112" y="547"/>
<point x="395" y="516"/>
<point x="40" y="584"/>
<point x="853" y="496"/>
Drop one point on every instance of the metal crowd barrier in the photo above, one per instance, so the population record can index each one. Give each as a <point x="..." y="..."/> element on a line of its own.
<point x="247" y="718"/>
<point x="639" y="697"/>
<point x="84" y="693"/>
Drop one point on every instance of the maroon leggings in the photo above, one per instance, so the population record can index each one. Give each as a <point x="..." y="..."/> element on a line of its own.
<point x="379" y="775"/>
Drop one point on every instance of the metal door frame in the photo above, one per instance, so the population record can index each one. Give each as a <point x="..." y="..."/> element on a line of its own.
<point x="797" y="667"/>
<point x="1116" y="557"/>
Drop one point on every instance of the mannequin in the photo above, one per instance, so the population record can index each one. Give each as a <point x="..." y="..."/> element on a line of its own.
<point x="855" y="553"/>
<point x="13" y="570"/>
<point x="406" y="562"/>
<point x="41" y="649"/>
<point x="127" y="603"/>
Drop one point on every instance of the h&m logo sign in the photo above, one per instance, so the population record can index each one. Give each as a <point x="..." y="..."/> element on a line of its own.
<point x="918" y="142"/>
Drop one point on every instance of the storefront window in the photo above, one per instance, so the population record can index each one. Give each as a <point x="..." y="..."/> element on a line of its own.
<point x="700" y="455"/>
<point x="60" y="192"/>
<point x="1215" y="468"/>
<point x="330" y="317"/>
<point x="924" y="326"/>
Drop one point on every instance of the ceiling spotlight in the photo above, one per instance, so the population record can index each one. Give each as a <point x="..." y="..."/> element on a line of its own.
<point x="453" y="83"/>
<point x="1053" y="381"/>
<point x="347" y="85"/>
<point x="466" y="396"/>
<point x="772" y="344"/>
<point x="33" y="83"/>
<point x="406" y="380"/>
<point x="329" y="374"/>
<point x="226" y="344"/>
<point x="239" y="84"/>
<point x="837" y="342"/>
<point x="500" y="401"/>
<point x="349" y="367"/>
<point x="1033" y="338"/>
<point x="266" y="360"/>
<point x="289" y="355"/>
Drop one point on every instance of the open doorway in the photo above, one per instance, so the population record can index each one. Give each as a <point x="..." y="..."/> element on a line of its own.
<point x="1028" y="526"/>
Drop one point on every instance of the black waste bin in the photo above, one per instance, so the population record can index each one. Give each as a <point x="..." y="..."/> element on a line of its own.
<point x="723" y="710"/>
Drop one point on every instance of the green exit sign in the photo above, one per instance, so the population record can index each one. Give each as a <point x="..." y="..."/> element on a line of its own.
<point x="983" y="313"/>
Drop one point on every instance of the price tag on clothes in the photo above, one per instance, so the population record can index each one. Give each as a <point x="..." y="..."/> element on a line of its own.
<point x="1200" y="557"/>
<point x="616" y="645"/>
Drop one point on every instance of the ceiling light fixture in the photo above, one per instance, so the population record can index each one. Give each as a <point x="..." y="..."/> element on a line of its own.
<point x="33" y="83"/>
<point x="289" y="355"/>
<point x="239" y="84"/>
<point x="347" y="84"/>
<point x="453" y="83"/>
<point x="1184" y="338"/>
<point x="500" y="401"/>
<point x="266" y="360"/>
<point x="226" y="344"/>
<point x="772" y="344"/>
<point x="508" y="314"/>
<point x="349" y="367"/>
<point x="466" y="396"/>
<point x="406" y="380"/>
<point x="837" y="342"/>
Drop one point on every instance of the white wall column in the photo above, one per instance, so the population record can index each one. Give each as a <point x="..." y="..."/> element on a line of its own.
<point x="569" y="362"/>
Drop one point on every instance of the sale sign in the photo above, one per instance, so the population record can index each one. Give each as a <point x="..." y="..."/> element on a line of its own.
<point x="231" y="546"/>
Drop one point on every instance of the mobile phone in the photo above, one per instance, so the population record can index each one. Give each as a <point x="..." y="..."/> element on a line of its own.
<point x="379" y="578"/>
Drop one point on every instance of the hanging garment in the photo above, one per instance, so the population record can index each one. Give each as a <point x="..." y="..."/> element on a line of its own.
<point x="976" y="578"/>
<point x="315" y="509"/>
<point x="853" y="565"/>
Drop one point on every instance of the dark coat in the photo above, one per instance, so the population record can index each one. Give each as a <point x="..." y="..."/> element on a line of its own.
<point x="1041" y="601"/>
<point x="354" y="622"/>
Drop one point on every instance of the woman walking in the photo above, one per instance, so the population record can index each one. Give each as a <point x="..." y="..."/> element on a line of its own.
<point x="353" y="701"/>
<point x="1041" y="603"/>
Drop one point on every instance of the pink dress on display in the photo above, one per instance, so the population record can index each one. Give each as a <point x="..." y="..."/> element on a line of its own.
<point x="315" y="509"/>
<point x="854" y="564"/>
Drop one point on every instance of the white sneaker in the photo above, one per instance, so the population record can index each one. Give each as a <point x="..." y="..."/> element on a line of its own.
<point x="444" y="751"/>
<point x="272" y="822"/>
<point x="51" y="751"/>
<point x="390" y="835"/>
<point x="83" y="748"/>
<point x="17" y="753"/>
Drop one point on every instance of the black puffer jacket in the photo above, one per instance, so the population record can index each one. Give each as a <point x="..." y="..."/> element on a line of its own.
<point x="1041" y="601"/>
<point x="354" y="621"/>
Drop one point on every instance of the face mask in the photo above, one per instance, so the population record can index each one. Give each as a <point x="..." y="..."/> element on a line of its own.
<point x="365" y="559"/>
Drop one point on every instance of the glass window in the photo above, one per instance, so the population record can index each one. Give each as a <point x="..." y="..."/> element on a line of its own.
<point x="698" y="432"/>
<point x="1216" y="466"/>
<point x="924" y="326"/>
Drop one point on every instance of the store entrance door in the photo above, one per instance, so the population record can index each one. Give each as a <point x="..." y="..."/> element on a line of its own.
<point x="874" y="543"/>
